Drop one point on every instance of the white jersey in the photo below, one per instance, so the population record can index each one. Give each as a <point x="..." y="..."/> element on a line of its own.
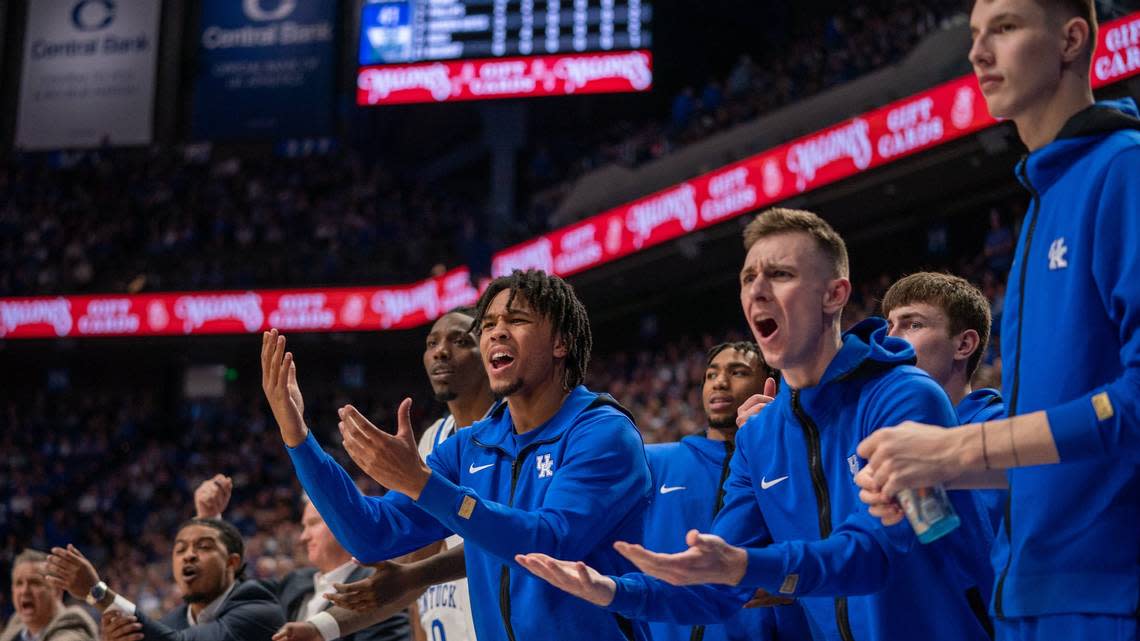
<point x="445" y="609"/>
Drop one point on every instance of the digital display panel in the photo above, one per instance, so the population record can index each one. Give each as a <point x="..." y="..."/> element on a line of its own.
<point x="406" y="31"/>
<point x="446" y="50"/>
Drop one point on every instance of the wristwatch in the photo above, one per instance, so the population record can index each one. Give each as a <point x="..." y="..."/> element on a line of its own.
<point x="98" y="591"/>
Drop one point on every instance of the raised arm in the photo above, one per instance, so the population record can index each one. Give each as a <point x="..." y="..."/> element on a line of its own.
<point x="370" y="528"/>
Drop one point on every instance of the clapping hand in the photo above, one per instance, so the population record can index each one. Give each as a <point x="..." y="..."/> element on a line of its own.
<point x="392" y="461"/>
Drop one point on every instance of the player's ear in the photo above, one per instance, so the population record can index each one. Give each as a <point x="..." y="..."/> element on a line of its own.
<point x="967" y="343"/>
<point x="1076" y="46"/>
<point x="836" y="295"/>
<point x="561" y="346"/>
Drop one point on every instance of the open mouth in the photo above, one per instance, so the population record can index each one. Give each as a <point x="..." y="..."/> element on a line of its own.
<point x="189" y="573"/>
<point x="501" y="360"/>
<point x="766" y="327"/>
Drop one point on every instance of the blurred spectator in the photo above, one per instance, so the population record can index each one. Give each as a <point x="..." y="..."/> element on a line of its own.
<point x="301" y="591"/>
<point x="40" y="613"/>
<point x="999" y="244"/>
<point x="131" y="221"/>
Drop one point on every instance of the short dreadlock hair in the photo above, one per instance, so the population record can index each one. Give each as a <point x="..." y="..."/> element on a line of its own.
<point x="555" y="299"/>
<point x="744" y="347"/>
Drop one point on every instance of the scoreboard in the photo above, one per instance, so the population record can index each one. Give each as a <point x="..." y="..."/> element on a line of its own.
<point x="403" y="31"/>
<point x="407" y="45"/>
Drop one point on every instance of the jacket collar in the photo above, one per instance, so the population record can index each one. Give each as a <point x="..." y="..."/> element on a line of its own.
<point x="866" y="350"/>
<point x="498" y="431"/>
<point x="1085" y="129"/>
<point x="705" y="447"/>
<point x="975" y="402"/>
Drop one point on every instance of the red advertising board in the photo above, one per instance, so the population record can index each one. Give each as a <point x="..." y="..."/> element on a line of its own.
<point x="556" y="75"/>
<point x="908" y="126"/>
<point x="879" y="137"/>
<point x="300" y="310"/>
<point x="1118" y="51"/>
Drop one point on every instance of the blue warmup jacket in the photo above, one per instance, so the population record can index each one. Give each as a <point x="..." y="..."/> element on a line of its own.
<point x="568" y="488"/>
<point x="687" y="477"/>
<point x="985" y="405"/>
<point x="980" y="405"/>
<point x="792" y="501"/>
<point x="1071" y="347"/>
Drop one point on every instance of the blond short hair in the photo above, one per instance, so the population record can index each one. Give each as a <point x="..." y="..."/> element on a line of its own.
<point x="779" y="220"/>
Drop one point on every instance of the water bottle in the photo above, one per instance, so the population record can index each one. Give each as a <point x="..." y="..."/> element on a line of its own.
<point x="929" y="511"/>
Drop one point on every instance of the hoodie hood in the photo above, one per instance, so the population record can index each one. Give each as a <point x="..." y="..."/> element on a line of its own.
<point x="976" y="404"/>
<point x="867" y="349"/>
<point x="866" y="352"/>
<point x="497" y="430"/>
<point x="706" y="448"/>
<point x="1040" y="169"/>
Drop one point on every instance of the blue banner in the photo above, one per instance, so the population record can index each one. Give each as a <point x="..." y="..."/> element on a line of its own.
<point x="266" y="69"/>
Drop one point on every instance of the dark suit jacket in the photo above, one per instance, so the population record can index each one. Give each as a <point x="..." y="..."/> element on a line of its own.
<point x="295" y="590"/>
<point x="251" y="613"/>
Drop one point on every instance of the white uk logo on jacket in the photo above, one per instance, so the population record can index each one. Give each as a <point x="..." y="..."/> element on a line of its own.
<point x="545" y="466"/>
<point x="1057" y="253"/>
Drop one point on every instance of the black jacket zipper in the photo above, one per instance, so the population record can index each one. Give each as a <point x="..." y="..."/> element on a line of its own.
<point x="698" y="633"/>
<point x="505" y="573"/>
<point x="1015" y="385"/>
<point x="822" y="500"/>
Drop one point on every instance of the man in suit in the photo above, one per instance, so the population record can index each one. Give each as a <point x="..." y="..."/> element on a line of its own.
<point x="40" y="613"/>
<point x="301" y="592"/>
<point x="218" y="604"/>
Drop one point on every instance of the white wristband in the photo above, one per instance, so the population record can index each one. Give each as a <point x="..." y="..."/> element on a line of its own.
<point x="326" y="624"/>
<point x="121" y="603"/>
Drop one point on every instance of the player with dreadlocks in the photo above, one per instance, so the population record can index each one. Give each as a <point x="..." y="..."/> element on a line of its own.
<point x="555" y="469"/>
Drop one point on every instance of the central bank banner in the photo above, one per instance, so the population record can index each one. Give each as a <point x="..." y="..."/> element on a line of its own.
<point x="265" y="69"/>
<point x="88" y="74"/>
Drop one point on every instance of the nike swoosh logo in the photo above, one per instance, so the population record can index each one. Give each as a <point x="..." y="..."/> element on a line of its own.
<point x="473" y="469"/>
<point x="666" y="489"/>
<point x="764" y="484"/>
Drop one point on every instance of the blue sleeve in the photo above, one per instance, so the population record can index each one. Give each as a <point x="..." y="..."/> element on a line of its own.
<point x="851" y="561"/>
<point x="856" y="557"/>
<point x="1106" y="421"/>
<point x="602" y="479"/>
<point x="640" y="596"/>
<point x="371" y="528"/>
<point x="740" y="521"/>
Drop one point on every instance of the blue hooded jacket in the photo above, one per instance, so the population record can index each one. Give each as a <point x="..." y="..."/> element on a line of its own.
<point x="568" y="488"/>
<point x="985" y="405"/>
<point x="1071" y="347"/>
<point x="687" y="479"/>
<point x="791" y="500"/>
